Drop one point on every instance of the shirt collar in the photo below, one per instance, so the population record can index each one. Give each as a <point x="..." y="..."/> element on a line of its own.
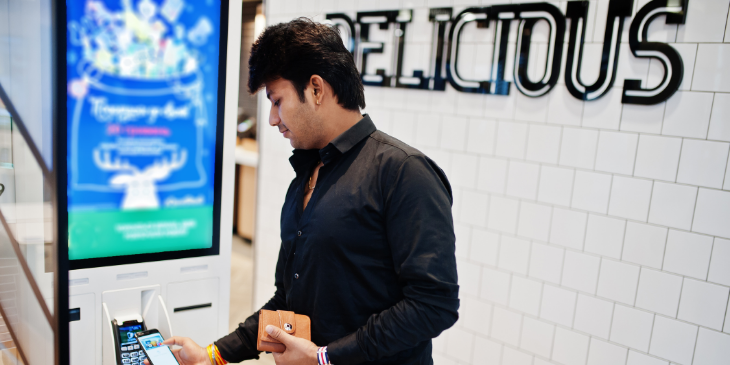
<point x="302" y="159"/>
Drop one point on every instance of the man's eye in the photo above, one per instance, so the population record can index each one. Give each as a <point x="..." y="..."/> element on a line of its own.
<point x="276" y="103"/>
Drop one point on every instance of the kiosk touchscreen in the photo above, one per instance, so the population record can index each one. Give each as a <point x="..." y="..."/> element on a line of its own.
<point x="145" y="94"/>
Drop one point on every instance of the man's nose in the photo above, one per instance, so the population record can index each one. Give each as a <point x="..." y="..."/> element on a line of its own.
<point x="274" y="117"/>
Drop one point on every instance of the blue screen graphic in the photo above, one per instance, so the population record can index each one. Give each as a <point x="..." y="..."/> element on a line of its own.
<point x="142" y="82"/>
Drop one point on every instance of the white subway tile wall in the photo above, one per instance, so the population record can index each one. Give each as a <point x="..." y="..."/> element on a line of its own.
<point x="588" y="233"/>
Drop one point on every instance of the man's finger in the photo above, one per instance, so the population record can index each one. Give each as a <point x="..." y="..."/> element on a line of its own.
<point x="175" y="340"/>
<point x="278" y="334"/>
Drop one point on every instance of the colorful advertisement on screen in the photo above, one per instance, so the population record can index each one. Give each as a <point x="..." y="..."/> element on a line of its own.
<point x="142" y="80"/>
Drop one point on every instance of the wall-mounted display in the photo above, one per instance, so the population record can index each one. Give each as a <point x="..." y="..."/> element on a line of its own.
<point x="447" y="39"/>
<point x="143" y="130"/>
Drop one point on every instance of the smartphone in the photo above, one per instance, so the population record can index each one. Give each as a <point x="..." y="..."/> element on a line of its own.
<point x="157" y="353"/>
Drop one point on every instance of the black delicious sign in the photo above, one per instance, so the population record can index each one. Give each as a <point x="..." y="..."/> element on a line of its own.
<point x="446" y="38"/>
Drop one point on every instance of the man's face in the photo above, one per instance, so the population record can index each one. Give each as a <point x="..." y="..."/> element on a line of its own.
<point x="297" y="121"/>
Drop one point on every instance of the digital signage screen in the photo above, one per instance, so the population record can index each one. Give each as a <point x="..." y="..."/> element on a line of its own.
<point x="145" y="88"/>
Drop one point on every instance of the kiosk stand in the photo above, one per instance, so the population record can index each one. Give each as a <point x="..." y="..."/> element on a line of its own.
<point x="150" y="136"/>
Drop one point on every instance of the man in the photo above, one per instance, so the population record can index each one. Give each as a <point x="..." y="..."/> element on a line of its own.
<point x="367" y="235"/>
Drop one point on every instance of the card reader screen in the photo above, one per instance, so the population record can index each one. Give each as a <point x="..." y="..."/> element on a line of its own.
<point x="126" y="334"/>
<point x="157" y="352"/>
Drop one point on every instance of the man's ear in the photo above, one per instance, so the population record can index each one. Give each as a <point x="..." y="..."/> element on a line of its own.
<point x="317" y="83"/>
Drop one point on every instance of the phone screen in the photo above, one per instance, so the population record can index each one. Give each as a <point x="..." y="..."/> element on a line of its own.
<point x="158" y="353"/>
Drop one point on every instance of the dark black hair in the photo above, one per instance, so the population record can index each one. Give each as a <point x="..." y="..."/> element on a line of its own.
<point x="299" y="49"/>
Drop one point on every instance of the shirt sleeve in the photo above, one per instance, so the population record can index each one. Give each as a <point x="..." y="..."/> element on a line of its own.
<point x="240" y="344"/>
<point x="420" y="232"/>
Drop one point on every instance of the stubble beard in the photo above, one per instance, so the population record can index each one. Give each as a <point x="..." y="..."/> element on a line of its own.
<point x="310" y="128"/>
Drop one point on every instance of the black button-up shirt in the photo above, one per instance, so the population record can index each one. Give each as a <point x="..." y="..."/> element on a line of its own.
<point x="371" y="258"/>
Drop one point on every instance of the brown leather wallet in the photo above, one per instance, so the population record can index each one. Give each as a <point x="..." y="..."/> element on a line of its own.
<point x="297" y="325"/>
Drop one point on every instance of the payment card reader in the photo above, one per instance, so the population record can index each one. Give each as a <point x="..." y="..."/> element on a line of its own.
<point x="128" y="350"/>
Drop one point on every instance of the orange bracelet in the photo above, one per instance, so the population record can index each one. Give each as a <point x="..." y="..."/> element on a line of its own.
<point x="215" y="355"/>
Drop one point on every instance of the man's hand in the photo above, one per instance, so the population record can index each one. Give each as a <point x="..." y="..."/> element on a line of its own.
<point x="298" y="351"/>
<point x="189" y="354"/>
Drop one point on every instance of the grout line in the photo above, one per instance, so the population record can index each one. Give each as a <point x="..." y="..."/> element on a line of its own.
<point x="724" y="177"/>
<point x="694" y="67"/>
<point x="681" y="288"/>
<point x="694" y="210"/>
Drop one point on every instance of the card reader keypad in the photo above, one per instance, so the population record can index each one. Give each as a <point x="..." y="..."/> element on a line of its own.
<point x="132" y="354"/>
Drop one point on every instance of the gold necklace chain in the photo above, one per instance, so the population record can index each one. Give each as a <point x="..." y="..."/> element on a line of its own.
<point x="309" y="184"/>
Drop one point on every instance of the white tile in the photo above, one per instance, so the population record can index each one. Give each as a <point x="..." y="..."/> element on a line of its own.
<point x="605" y="236"/>
<point x="495" y="286"/>
<point x="558" y="305"/>
<point x="673" y="340"/>
<point x="637" y="358"/>
<point x="543" y="143"/>
<point x="463" y="238"/>
<point x="593" y="316"/>
<point x="720" y="262"/>
<point x="711" y="73"/>
<point x="672" y="205"/>
<point x="481" y="135"/>
<point x="531" y="109"/>
<point x="470" y="104"/>
<point x="658" y="157"/>
<point x="453" y="133"/>
<point x="404" y="125"/>
<point x="484" y="247"/>
<point x="712" y="213"/>
<point x="492" y="174"/>
<point x="556" y="185"/>
<point x="703" y="163"/>
<point x="439" y="359"/>
<point x="644" y="244"/>
<point x="720" y="119"/>
<point x="580" y="271"/>
<point x="705" y="22"/>
<point x="514" y="357"/>
<point x="590" y="191"/>
<point x="616" y="152"/>
<point x="703" y="303"/>
<point x="514" y="255"/>
<point x="618" y="281"/>
<point x="475" y="315"/>
<point x="604" y="353"/>
<point x="570" y="348"/>
<point x="578" y="147"/>
<point x="642" y="118"/>
<point x="712" y="348"/>
<point x="631" y="327"/>
<point x="546" y="262"/>
<point x="428" y="131"/>
<point x="500" y="107"/>
<point x="503" y="214"/>
<point x="659" y="292"/>
<point x="534" y="221"/>
<point x="464" y="169"/>
<point x="568" y="228"/>
<point x="564" y="108"/>
<point x="473" y="209"/>
<point x="469" y="277"/>
<point x="487" y="350"/>
<point x="522" y="179"/>
<point x="511" y="139"/>
<point x="459" y="344"/>
<point x="506" y="326"/>
<point x="688" y="254"/>
<point x="537" y="337"/>
<point x="604" y="113"/>
<point x="688" y="114"/>
<point x="525" y="295"/>
<point x="630" y="198"/>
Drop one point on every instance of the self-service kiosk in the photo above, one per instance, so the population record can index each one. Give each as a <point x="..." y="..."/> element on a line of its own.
<point x="150" y="131"/>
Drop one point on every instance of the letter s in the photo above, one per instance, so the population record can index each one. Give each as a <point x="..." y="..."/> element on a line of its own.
<point x="669" y="57"/>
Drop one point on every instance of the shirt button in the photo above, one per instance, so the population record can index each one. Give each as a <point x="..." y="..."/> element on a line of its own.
<point x="299" y="233"/>
<point x="296" y="276"/>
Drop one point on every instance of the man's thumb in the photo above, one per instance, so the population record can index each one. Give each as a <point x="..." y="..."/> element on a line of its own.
<point x="278" y="334"/>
